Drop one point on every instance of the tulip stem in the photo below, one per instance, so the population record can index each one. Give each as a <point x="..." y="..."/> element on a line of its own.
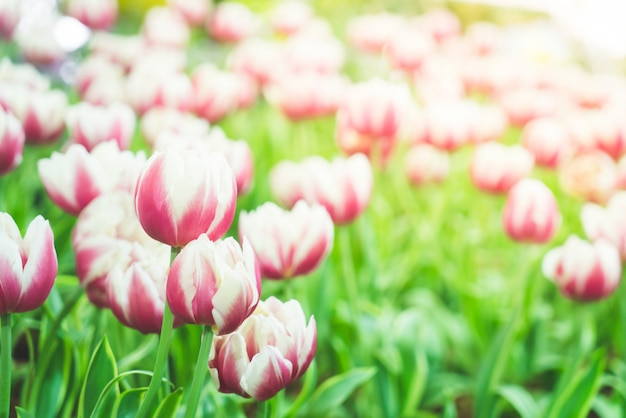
<point x="347" y="261"/>
<point x="161" y="359"/>
<point x="5" y="365"/>
<point x="200" y="372"/>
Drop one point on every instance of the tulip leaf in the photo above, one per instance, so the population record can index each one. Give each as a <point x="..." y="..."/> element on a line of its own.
<point x="576" y="396"/>
<point x="521" y="400"/>
<point x="102" y="369"/>
<point x="168" y="407"/>
<point x="127" y="403"/>
<point x="335" y="390"/>
<point x="22" y="413"/>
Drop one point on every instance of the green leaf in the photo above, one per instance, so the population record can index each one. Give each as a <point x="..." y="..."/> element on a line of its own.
<point x="102" y="369"/>
<point x="576" y="396"/>
<point x="417" y="384"/>
<point x="127" y="404"/>
<point x="334" y="391"/>
<point x="22" y="413"/>
<point x="168" y="407"/>
<point x="521" y="400"/>
<point x="106" y="400"/>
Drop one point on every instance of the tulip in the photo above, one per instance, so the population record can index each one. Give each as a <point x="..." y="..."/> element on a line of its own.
<point x="163" y="26"/>
<point x="442" y="24"/>
<point x="90" y="125"/>
<point x="11" y="142"/>
<point x="23" y="74"/>
<point x="259" y="59"/>
<point x="409" y="47"/>
<point x="195" y="12"/>
<point x="592" y="176"/>
<point x="482" y="38"/>
<point x="531" y="212"/>
<point x="312" y="52"/>
<point x="495" y="168"/>
<point x="10" y="14"/>
<point x="288" y="243"/>
<point x="448" y="123"/>
<point x="608" y="222"/>
<point x="161" y="119"/>
<point x="289" y="16"/>
<point x="548" y="140"/>
<point x="214" y="283"/>
<point x="28" y="265"/>
<point x="147" y="88"/>
<point x="525" y="104"/>
<point x="372" y="33"/>
<point x="583" y="270"/>
<point x="231" y="22"/>
<point x="343" y="186"/>
<point x="216" y="92"/>
<point x="37" y="42"/>
<point x="100" y="80"/>
<point x="181" y="195"/>
<point x="96" y="14"/>
<point x="426" y="164"/>
<point x="119" y="49"/>
<point x="74" y="178"/>
<point x="270" y="350"/>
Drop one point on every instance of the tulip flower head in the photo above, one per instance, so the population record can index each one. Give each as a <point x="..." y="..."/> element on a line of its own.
<point x="531" y="212"/>
<point x="607" y="222"/>
<point x="10" y="14"/>
<point x="28" y="265"/>
<point x="270" y="350"/>
<point x="426" y="164"/>
<point x="232" y="22"/>
<point x="90" y="125"/>
<point x="181" y="195"/>
<point x="215" y="283"/>
<point x="495" y="168"/>
<point x="11" y="142"/>
<point x="592" y="176"/>
<point x="583" y="270"/>
<point x="288" y="243"/>
<point x="548" y="140"/>
<point x="96" y="14"/>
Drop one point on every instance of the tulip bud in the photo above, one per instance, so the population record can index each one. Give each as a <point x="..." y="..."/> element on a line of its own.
<point x="216" y="92"/>
<point x="592" y="176"/>
<point x="181" y="195"/>
<point x="96" y="14"/>
<point x="495" y="168"/>
<point x="288" y="243"/>
<point x="163" y="26"/>
<point x="11" y="142"/>
<point x="607" y="222"/>
<point x="10" y="14"/>
<point x="28" y="266"/>
<point x="531" y="213"/>
<point x="195" y="12"/>
<point x="90" y="125"/>
<point x="214" y="283"/>
<point x="548" y="140"/>
<point x="426" y="164"/>
<point x="270" y="350"/>
<point x="232" y="22"/>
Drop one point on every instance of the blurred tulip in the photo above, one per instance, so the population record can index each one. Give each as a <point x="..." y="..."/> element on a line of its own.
<point x="257" y="58"/>
<point x="119" y="49"/>
<point x="525" y="104"/>
<point x="371" y="33"/>
<point x="289" y="16"/>
<point x="441" y="24"/>
<point x="23" y="74"/>
<point x="96" y="14"/>
<point x="482" y="38"/>
<point x="425" y="164"/>
<point x="41" y="113"/>
<point x="136" y="294"/>
<point x="28" y="265"/>
<point x="11" y="142"/>
<point x="160" y="120"/>
<point x="343" y="186"/>
<point x="288" y="243"/>
<point x="37" y="42"/>
<point x="531" y="212"/>
<point x="216" y="92"/>
<point x="181" y="195"/>
<point x="10" y="14"/>
<point x="149" y="88"/>
<point x="74" y="178"/>
<point x="91" y="125"/>
<point x="106" y="232"/>
<point x="163" y="26"/>
<point x="495" y="168"/>
<point x="195" y="12"/>
<point x="608" y="222"/>
<point x="94" y="69"/>
<point x="592" y="176"/>
<point x="583" y="270"/>
<point x="318" y="53"/>
<point x="270" y="350"/>
<point x="548" y="140"/>
<point x="232" y="22"/>
<point x="409" y="47"/>
<point x="448" y="124"/>
<point x="214" y="283"/>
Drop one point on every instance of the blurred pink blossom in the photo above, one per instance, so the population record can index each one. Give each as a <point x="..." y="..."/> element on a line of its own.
<point x="232" y="22"/>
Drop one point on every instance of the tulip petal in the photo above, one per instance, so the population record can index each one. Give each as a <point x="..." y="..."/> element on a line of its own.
<point x="267" y="374"/>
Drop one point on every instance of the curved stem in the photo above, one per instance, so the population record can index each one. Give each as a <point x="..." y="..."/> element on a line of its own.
<point x="200" y="372"/>
<point x="5" y="365"/>
<point x="161" y="359"/>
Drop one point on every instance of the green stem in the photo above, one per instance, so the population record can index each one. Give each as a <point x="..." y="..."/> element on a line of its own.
<point x="200" y="372"/>
<point x="5" y="365"/>
<point x="161" y="359"/>
<point x="347" y="263"/>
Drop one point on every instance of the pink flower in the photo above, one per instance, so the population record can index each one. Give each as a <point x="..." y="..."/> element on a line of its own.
<point x="181" y="195"/>
<point x="90" y="125"/>
<point x="106" y="233"/>
<point x="216" y="92"/>
<point x="592" y="176"/>
<point x="28" y="265"/>
<point x="548" y="140"/>
<point x="74" y="178"/>
<point x="608" y="222"/>
<point x="289" y="16"/>
<point x="94" y="69"/>
<point x="195" y="12"/>
<point x="37" y="42"/>
<point x="442" y="24"/>
<point x="524" y="104"/>
<point x="425" y="164"/>
<point x="371" y="33"/>
<point x="163" y="26"/>
<point x="148" y="88"/>
<point x="96" y="14"/>
<point x="409" y="47"/>
<point x="343" y="186"/>
<point x="41" y="113"/>
<point x="288" y="243"/>
<point x="159" y="120"/>
<point x="495" y="168"/>
<point x="10" y="14"/>
<point x="259" y="59"/>
<point x="318" y="53"/>
<point x="270" y="350"/>
<point x="214" y="283"/>
<point x="232" y="22"/>
<point x="583" y="270"/>
<point x="11" y="142"/>
<point x="119" y="49"/>
<point x="531" y="213"/>
<point x="23" y="74"/>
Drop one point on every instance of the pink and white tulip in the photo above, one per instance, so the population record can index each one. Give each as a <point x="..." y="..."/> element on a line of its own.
<point x="163" y="26"/>
<point x="289" y="16"/>
<point x="23" y="74"/>
<point x="582" y="270"/>
<point x="318" y="53"/>
<point x="343" y="186"/>
<point x="424" y="164"/>
<point x="90" y="125"/>
<point x="215" y="283"/>
<point x="181" y="195"/>
<point x="409" y="47"/>
<point x="232" y="22"/>
<point x="195" y="12"/>
<point x="11" y="142"/>
<point x="260" y="59"/>
<point x="216" y="93"/>
<point x="96" y="14"/>
<point x="495" y="168"/>
<point x="37" y="42"/>
<point x="28" y="265"/>
<point x="10" y="14"/>
<point x="75" y="177"/>
<point x="372" y="33"/>
<point x="270" y="350"/>
<point x="531" y="212"/>
<point x="607" y="222"/>
<point x="592" y="176"/>
<point x="119" y="49"/>
<point x="159" y="120"/>
<point x="147" y="88"/>
<point x="288" y="243"/>
<point x="548" y="140"/>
